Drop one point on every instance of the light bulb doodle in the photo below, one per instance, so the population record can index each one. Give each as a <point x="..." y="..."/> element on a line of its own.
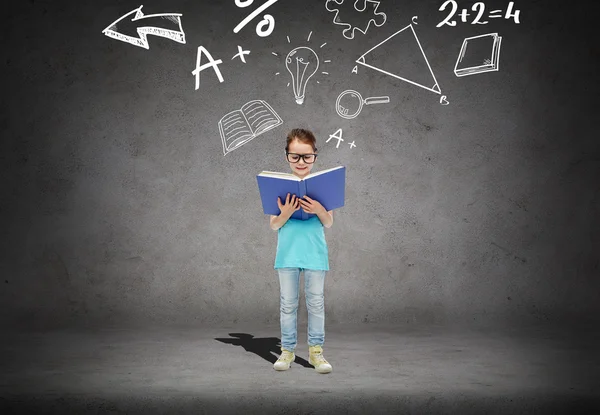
<point x="302" y="63"/>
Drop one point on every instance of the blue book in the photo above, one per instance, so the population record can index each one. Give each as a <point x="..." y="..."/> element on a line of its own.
<point x="326" y="186"/>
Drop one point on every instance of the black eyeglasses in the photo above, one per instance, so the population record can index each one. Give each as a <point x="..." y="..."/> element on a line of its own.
<point x="295" y="158"/>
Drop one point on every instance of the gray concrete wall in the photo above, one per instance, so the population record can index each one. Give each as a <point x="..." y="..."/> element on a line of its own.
<point x="119" y="207"/>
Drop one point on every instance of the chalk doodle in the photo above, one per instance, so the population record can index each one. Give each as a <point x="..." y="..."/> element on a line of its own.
<point x="241" y="53"/>
<point x="240" y="126"/>
<point x="167" y="25"/>
<point x="267" y="20"/>
<point x="349" y="103"/>
<point x="338" y="137"/>
<point x="479" y="54"/>
<point x="211" y="64"/>
<point x="412" y="65"/>
<point x="302" y="63"/>
<point x="368" y="11"/>
<point x="479" y="8"/>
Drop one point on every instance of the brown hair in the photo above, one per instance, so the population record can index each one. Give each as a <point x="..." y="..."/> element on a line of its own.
<point x="304" y="136"/>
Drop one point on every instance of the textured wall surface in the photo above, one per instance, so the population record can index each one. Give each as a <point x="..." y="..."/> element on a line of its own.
<point x="119" y="207"/>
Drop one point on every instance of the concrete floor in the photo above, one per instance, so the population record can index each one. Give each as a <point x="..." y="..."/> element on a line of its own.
<point x="376" y="369"/>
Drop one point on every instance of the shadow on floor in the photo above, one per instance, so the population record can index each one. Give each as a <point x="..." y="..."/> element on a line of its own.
<point x="261" y="346"/>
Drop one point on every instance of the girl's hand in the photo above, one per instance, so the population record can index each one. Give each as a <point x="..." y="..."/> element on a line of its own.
<point x="312" y="206"/>
<point x="290" y="205"/>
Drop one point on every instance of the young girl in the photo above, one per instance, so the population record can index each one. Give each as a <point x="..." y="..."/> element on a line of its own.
<point x="301" y="246"/>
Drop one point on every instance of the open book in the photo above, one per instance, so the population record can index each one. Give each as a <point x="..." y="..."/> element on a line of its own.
<point x="326" y="186"/>
<point x="240" y="126"/>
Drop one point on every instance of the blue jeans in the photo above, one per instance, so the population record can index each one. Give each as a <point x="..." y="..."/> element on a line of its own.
<point x="314" y="283"/>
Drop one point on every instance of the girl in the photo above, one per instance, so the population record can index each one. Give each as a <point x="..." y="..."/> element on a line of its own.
<point x="301" y="246"/>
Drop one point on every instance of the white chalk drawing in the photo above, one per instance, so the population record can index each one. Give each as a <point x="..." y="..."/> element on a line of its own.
<point x="402" y="43"/>
<point x="167" y="25"/>
<point x="302" y="63"/>
<point x="377" y="18"/>
<point x="267" y="20"/>
<point x="211" y="63"/>
<point x="349" y="103"/>
<point x="479" y="9"/>
<point x="479" y="54"/>
<point x="413" y="19"/>
<point x="241" y="53"/>
<point x="336" y="136"/>
<point x="240" y="126"/>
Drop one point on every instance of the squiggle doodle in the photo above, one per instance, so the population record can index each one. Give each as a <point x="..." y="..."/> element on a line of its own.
<point x="348" y="32"/>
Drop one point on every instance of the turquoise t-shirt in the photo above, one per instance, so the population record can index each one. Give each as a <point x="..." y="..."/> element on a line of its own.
<point x="301" y="244"/>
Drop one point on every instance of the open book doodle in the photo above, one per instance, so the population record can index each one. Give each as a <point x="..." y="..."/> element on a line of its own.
<point x="240" y="126"/>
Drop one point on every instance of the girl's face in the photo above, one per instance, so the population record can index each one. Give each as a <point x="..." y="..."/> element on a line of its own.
<point x="301" y="168"/>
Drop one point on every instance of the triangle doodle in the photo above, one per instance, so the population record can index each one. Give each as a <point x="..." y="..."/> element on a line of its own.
<point x="411" y="65"/>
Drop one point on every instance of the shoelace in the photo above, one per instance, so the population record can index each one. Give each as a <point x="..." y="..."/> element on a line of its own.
<point x="318" y="357"/>
<point x="286" y="356"/>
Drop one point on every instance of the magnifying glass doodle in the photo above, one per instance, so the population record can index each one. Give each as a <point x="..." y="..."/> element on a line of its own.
<point x="349" y="103"/>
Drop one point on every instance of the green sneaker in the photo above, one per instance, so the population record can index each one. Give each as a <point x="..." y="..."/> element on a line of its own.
<point x="285" y="360"/>
<point x="317" y="360"/>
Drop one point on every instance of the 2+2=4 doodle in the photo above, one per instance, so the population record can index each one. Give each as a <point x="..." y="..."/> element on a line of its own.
<point x="478" y="8"/>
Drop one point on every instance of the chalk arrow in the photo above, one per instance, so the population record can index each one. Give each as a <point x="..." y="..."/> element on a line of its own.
<point x="166" y="25"/>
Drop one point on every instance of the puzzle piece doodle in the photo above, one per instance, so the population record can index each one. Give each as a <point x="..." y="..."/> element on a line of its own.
<point x="378" y="18"/>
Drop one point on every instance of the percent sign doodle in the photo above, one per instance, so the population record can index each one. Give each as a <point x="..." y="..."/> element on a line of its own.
<point x="266" y="21"/>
